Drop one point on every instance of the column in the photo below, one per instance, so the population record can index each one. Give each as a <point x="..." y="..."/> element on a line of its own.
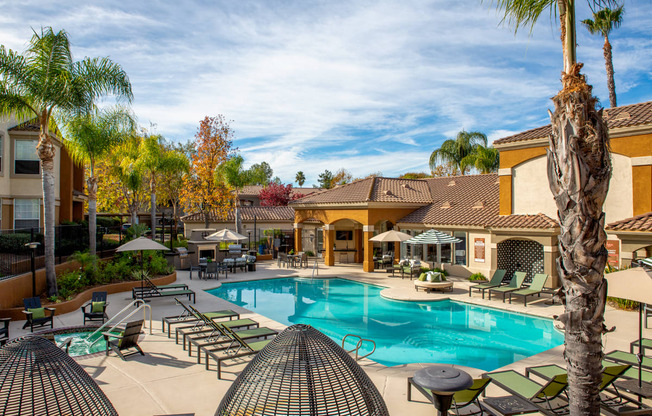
<point x="505" y="191"/>
<point x="368" y="257"/>
<point x="329" y="240"/>
<point x="357" y="237"/>
<point x="298" y="235"/>
<point x="550" y="254"/>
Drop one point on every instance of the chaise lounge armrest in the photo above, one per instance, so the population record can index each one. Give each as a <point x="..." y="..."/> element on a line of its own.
<point x="89" y="303"/>
<point x="52" y="311"/>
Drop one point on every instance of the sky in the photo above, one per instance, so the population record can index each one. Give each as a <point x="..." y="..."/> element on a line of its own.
<point x="368" y="86"/>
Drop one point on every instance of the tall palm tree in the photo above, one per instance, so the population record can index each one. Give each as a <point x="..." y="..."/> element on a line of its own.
<point x="453" y="151"/>
<point x="45" y="80"/>
<point x="579" y="169"/>
<point x="89" y="138"/>
<point x="484" y="159"/>
<point x="234" y="175"/>
<point x="602" y="23"/>
<point x="300" y="178"/>
<point x="154" y="160"/>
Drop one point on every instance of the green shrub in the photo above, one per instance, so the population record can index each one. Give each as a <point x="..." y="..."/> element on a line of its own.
<point x="477" y="276"/>
<point x="424" y="270"/>
<point x="619" y="303"/>
<point x="108" y="222"/>
<point x="70" y="283"/>
<point x="156" y="264"/>
<point x="310" y="253"/>
<point x="14" y="243"/>
<point x="442" y="271"/>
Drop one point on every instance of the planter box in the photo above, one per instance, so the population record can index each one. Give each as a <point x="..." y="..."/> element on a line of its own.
<point x="83" y="297"/>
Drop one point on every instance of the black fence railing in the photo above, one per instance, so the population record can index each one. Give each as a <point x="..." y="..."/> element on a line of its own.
<point x="15" y="255"/>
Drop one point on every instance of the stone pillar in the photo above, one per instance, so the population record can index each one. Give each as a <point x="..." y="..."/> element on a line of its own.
<point x="298" y="235"/>
<point x="329" y="240"/>
<point x="368" y="257"/>
<point x="550" y="254"/>
<point x="357" y="237"/>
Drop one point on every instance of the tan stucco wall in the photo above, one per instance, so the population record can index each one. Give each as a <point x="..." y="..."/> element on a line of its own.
<point x="530" y="191"/>
<point x="362" y="215"/>
<point x="477" y="267"/>
<point x="620" y="199"/>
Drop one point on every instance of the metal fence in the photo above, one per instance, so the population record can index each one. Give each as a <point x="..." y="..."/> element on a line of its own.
<point x="15" y="255"/>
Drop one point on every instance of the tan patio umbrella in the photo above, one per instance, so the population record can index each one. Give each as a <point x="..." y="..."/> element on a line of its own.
<point x="633" y="284"/>
<point x="226" y="235"/>
<point x="141" y="244"/>
<point x="391" y="236"/>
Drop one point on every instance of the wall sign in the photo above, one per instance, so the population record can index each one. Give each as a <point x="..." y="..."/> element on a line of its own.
<point x="478" y="249"/>
<point x="613" y="248"/>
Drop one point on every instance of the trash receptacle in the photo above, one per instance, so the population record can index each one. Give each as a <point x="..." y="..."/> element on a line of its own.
<point x="251" y="267"/>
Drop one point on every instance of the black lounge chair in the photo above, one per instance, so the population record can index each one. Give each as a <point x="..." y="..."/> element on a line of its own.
<point x="97" y="308"/>
<point x="203" y="331"/>
<point x="150" y="290"/>
<point x="148" y="286"/>
<point x="461" y="399"/>
<point x="496" y="280"/>
<point x="187" y="317"/>
<point x="127" y="339"/>
<point x="4" y="331"/>
<point x="36" y="314"/>
<point x="236" y="349"/>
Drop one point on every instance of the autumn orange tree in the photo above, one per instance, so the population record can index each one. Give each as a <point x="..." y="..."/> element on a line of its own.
<point x="201" y="191"/>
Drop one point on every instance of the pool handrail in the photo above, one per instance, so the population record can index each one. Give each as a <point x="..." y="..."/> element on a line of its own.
<point x="139" y="305"/>
<point x="358" y="345"/>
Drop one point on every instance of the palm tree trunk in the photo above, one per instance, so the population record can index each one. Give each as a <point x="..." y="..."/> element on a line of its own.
<point x="579" y="169"/>
<point x="46" y="152"/>
<point x="153" y="214"/>
<point x="91" y="182"/>
<point x="238" y="222"/>
<point x="608" y="62"/>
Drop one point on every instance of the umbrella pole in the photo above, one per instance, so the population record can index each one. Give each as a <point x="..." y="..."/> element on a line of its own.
<point x="142" y="269"/>
<point x="639" y="356"/>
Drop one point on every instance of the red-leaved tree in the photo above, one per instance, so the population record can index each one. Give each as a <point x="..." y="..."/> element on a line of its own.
<point x="277" y="195"/>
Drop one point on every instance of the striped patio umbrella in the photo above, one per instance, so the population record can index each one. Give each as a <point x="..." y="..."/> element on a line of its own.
<point x="646" y="262"/>
<point x="433" y="237"/>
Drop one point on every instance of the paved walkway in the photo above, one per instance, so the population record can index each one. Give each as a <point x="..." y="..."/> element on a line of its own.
<point x="168" y="382"/>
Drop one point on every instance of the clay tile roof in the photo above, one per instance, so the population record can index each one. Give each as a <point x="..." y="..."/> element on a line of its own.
<point x="523" y="221"/>
<point x="641" y="222"/>
<point x="462" y="197"/>
<point x="356" y="191"/>
<point x="278" y="214"/>
<point x="31" y="125"/>
<point x="252" y="190"/>
<point x="623" y="116"/>
<point x="400" y="190"/>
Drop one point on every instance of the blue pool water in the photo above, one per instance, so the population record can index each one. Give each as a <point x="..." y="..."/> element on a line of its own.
<point x="82" y="342"/>
<point x="404" y="332"/>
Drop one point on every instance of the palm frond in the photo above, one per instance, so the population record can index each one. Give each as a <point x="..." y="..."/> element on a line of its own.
<point x="103" y="76"/>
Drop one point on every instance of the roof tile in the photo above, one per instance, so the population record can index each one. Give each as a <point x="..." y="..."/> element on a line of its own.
<point x="641" y="222"/>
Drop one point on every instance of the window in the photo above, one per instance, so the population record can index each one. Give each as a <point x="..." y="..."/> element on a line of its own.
<point x="26" y="159"/>
<point x="460" y="248"/>
<point x="27" y="213"/>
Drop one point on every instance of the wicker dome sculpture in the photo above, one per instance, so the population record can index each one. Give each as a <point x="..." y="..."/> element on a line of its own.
<point x="38" y="378"/>
<point x="302" y="372"/>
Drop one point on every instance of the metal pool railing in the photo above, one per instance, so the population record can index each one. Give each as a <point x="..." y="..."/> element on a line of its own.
<point x="139" y="304"/>
<point x="358" y="345"/>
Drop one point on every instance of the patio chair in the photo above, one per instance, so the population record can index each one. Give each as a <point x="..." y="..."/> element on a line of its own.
<point x="203" y="331"/>
<point x="282" y="260"/>
<point x="187" y="317"/>
<point x="236" y="349"/>
<point x="535" y="288"/>
<point x="4" y="331"/>
<point x="36" y="314"/>
<point x="97" y="308"/>
<point x="513" y="285"/>
<point x="628" y="358"/>
<point x="212" y="270"/>
<point x="646" y="344"/>
<point x="127" y="339"/>
<point x="496" y="280"/>
<point x="541" y="396"/>
<point x="461" y="399"/>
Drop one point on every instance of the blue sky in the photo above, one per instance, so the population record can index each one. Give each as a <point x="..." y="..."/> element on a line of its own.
<point x="369" y="86"/>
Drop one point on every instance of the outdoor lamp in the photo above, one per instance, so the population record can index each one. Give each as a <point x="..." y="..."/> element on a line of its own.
<point x="249" y="242"/>
<point x="32" y="249"/>
<point x="443" y="381"/>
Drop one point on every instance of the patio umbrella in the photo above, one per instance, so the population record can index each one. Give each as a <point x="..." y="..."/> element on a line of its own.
<point x="633" y="284"/>
<point x="391" y="236"/>
<point x="141" y="244"/>
<point x="226" y="235"/>
<point x="433" y="237"/>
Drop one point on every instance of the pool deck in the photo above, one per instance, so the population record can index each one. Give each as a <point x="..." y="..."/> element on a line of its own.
<point x="168" y="382"/>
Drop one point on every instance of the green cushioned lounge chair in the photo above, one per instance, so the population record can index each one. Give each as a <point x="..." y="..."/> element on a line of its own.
<point x="628" y="358"/>
<point x="221" y="340"/>
<point x="496" y="280"/>
<point x="461" y="399"/>
<point x="187" y="317"/>
<point x="541" y="396"/>
<point x="535" y="288"/>
<point x="514" y="284"/>
<point x="646" y="343"/>
<point x="236" y="349"/>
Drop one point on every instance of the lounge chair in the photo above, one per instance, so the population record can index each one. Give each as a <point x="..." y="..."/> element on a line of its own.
<point x="541" y="396"/>
<point x="513" y="285"/>
<point x="496" y="280"/>
<point x="628" y="358"/>
<point x="535" y="288"/>
<point x="236" y="349"/>
<point x="127" y="339"/>
<point x="36" y="314"/>
<point x="97" y="308"/>
<point x="610" y="373"/>
<point x="461" y="399"/>
<point x="202" y="331"/>
<point x="4" y="330"/>
<point x="187" y="317"/>
<point x="646" y="343"/>
<point x="149" y="287"/>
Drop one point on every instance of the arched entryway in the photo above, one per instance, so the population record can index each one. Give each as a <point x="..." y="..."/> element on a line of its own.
<point x="517" y="255"/>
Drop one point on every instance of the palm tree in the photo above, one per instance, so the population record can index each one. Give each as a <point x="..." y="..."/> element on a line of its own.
<point x="90" y="137"/>
<point x="235" y="176"/>
<point x="484" y="159"/>
<point x="603" y="22"/>
<point x="123" y="164"/>
<point x="453" y="151"/>
<point x="579" y="169"/>
<point x="300" y="178"/>
<point x="155" y="160"/>
<point x="45" y="80"/>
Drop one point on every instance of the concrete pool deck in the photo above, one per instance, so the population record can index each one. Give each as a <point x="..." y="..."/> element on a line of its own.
<point x="168" y="382"/>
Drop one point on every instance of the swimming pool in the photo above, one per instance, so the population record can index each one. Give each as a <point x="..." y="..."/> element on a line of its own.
<point x="405" y="332"/>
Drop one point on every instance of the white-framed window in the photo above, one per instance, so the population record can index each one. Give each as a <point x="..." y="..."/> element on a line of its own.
<point x="27" y="213"/>
<point x="26" y="159"/>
